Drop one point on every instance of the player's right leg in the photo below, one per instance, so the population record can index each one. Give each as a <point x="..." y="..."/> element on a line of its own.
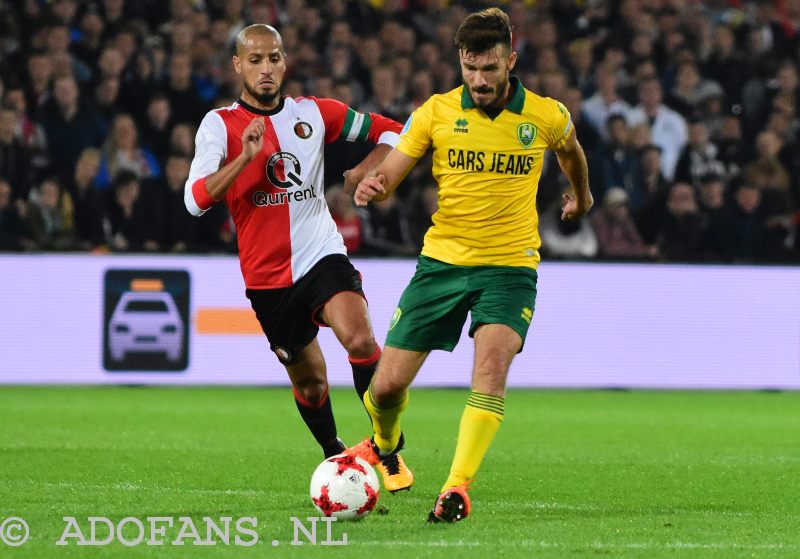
<point x="292" y="336"/>
<point x="310" y="387"/>
<point x="385" y="400"/>
<point x="430" y="315"/>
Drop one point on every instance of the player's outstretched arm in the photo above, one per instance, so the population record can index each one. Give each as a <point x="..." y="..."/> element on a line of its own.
<point x="374" y="158"/>
<point x="218" y="183"/>
<point x="381" y="182"/>
<point x="573" y="162"/>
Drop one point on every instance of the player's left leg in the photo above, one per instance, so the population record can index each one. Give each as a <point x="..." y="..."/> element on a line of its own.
<point x="501" y="315"/>
<point x="495" y="347"/>
<point x="347" y="315"/>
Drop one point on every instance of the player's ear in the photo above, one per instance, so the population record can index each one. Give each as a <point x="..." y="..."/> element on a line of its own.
<point x="512" y="60"/>
<point x="237" y="64"/>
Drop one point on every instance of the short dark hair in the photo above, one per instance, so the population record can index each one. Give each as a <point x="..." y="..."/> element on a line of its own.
<point x="481" y="31"/>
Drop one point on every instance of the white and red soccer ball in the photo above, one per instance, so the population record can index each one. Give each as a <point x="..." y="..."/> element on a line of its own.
<point x="344" y="487"/>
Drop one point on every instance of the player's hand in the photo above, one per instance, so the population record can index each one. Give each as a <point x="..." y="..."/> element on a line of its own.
<point x="574" y="207"/>
<point x="253" y="138"/>
<point x="368" y="188"/>
<point x="351" y="179"/>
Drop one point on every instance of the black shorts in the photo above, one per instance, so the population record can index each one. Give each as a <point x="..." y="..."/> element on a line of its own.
<point x="290" y="317"/>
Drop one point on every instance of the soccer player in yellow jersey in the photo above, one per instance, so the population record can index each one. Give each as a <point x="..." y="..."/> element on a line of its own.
<point x="480" y="256"/>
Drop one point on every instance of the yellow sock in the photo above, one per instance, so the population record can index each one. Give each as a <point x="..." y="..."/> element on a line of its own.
<point x="479" y="424"/>
<point x="386" y="420"/>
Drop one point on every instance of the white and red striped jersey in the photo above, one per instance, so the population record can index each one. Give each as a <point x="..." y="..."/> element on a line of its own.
<point x="278" y="201"/>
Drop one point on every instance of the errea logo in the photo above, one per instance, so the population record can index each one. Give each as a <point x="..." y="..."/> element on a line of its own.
<point x="461" y="126"/>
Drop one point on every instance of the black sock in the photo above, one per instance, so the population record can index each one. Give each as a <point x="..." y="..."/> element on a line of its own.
<point x="320" y="421"/>
<point x="363" y="371"/>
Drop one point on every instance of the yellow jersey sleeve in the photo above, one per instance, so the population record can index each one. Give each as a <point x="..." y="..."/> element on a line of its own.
<point x="415" y="138"/>
<point x="562" y="125"/>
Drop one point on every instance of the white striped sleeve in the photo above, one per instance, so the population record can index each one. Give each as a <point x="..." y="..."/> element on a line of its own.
<point x="211" y="145"/>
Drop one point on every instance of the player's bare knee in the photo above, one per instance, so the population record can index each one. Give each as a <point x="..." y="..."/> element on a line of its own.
<point x="386" y="390"/>
<point x="313" y="392"/>
<point x="360" y="345"/>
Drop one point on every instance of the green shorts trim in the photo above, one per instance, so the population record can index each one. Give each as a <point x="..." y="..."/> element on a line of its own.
<point x="433" y="308"/>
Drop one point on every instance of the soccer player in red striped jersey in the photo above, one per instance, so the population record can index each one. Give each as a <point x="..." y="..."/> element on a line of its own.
<point x="263" y="156"/>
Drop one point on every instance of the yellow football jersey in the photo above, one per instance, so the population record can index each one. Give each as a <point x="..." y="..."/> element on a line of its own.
<point x="488" y="173"/>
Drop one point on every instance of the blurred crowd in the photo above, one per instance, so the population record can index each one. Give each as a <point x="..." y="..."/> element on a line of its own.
<point x="687" y="111"/>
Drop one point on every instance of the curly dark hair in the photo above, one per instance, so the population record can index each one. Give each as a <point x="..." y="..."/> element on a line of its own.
<point x="481" y="31"/>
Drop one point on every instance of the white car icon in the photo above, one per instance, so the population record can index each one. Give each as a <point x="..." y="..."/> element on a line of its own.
<point x="145" y="322"/>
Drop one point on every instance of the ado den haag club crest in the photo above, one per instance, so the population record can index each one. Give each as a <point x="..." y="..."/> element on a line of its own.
<point x="526" y="134"/>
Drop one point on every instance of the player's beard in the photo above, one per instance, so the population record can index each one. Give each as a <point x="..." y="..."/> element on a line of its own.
<point x="263" y="98"/>
<point x="497" y="102"/>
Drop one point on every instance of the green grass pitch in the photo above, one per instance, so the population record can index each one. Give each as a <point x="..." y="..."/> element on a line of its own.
<point x="570" y="474"/>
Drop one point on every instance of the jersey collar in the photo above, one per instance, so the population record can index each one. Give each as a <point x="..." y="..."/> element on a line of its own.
<point x="515" y="105"/>
<point x="262" y="112"/>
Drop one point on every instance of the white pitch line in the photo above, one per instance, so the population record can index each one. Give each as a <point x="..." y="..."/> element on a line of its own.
<point x="579" y="545"/>
<point x="134" y="487"/>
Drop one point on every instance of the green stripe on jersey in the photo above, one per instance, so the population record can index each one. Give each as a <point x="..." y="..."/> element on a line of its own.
<point x="348" y="124"/>
<point x="365" y="126"/>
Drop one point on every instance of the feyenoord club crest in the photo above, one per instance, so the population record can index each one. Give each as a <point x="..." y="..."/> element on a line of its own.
<point x="526" y="134"/>
<point x="303" y="130"/>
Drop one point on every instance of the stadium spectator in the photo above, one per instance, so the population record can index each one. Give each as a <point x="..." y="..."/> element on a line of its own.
<point x="29" y="131"/>
<point x="131" y="220"/>
<point x="186" y="103"/>
<point x="590" y="139"/>
<point x="385" y="99"/>
<point x="681" y="232"/>
<point x="566" y="239"/>
<point x="616" y="164"/>
<point x="122" y="152"/>
<point x="667" y="128"/>
<point x="70" y="125"/>
<point x="89" y="205"/>
<point x="617" y="236"/>
<point x="718" y="243"/>
<point x="157" y="126"/>
<point x="37" y="88"/>
<point x="732" y="148"/>
<point x="347" y="219"/>
<point x="50" y="217"/>
<point x="57" y="43"/>
<point x="605" y="102"/>
<point x="107" y="99"/>
<point x="181" y="139"/>
<point x="425" y="205"/>
<point x="140" y="84"/>
<point x="748" y="224"/>
<point x="90" y="38"/>
<point x="178" y="232"/>
<point x="726" y="64"/>
<point x="581" y="62"/>
<point x="14" y="159"/>
<point x="699" y="158"/>
<point x="651" y="209"/>
<point x="386" y="230"/>
<point x="110" y="63"/>
<point x="691" y="91"/>
<point x="12" y="227"/>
